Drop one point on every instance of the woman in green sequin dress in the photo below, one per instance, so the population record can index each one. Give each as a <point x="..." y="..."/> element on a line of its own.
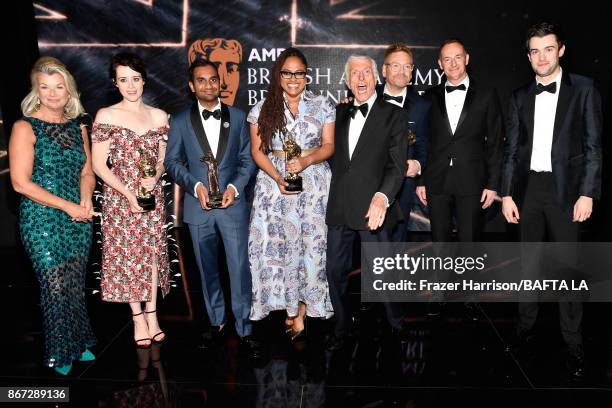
<point x="50" y="167"/>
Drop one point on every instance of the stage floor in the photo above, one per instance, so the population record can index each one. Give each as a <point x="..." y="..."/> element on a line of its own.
<point x="448" y="361"/>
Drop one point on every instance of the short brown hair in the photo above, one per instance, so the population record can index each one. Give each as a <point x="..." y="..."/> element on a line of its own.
<point x="397" y="47"/>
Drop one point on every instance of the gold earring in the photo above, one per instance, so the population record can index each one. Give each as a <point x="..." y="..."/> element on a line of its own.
<point x="37" y="104"/>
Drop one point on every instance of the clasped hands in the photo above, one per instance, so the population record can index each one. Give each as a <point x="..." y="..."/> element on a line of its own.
<point x="229" y="196"/>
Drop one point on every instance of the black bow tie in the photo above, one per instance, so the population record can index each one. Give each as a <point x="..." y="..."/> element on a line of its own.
<point x="215" y="114"/>
<point x="552" y="88"/>
<point x="363" y="108"/>
<point x="450" y="88"/>
<point x="398" y="99"/>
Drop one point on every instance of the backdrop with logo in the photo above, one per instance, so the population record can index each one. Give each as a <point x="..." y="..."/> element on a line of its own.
<point x="244" y="38"/>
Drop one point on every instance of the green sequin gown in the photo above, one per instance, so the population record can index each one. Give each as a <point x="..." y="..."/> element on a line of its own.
<point x="57" y="246"/>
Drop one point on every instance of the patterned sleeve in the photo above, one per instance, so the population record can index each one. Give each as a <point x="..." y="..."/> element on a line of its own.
<point x="329" y="111"/>
<point x="253" y="116"/>
<point x="162" y="134"/>
<point x="100" y="132"/>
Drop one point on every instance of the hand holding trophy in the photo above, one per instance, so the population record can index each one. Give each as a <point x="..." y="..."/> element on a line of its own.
<point x="215" y="198"/>
<point x="146" y="168"/>
<point x="292" y="150"/>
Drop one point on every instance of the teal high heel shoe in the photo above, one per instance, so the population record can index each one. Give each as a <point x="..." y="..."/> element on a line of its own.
<point x="64" y="370"/>
<point x="87" y="356"/>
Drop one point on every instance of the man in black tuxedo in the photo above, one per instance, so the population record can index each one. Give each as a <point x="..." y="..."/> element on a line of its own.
<point x="552" y="166"/>
<point x="397" y="71"/>
<point x="465" y="149"/>
<point x="368" y="169"/>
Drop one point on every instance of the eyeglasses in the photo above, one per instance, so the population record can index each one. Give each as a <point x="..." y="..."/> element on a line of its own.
<point x="395" y="67"/>
<point x="296" y="74"/>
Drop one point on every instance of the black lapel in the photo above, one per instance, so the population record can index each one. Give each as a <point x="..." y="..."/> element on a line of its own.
<point x="344" y="122"/>
<point x="196" y="123"/>
<point x="407" y="101"/>
<point x="368" y="126"/>
<point x="441" y="98"/>
<point x="469" y="97"/>
<point x="529" y="112"/>
<point x="566" y="92"/>
<point x="223" y="132"/>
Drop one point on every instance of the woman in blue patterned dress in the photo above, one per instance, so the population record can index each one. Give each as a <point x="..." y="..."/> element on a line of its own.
<point x="287" y="232"/>
<point x="51" y="168"/>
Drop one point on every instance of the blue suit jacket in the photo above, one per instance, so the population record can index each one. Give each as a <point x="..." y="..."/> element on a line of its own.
<point x="418" y="109"/>
<point x="187" y="144"/>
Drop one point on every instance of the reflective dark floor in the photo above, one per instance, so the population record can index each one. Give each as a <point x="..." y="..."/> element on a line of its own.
<point x="449" y="361"/>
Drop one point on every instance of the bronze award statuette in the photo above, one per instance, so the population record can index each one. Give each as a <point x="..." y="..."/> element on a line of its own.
<point x="411" y="137"/>
<point x="292" y="150"/>
<point x="215" y="198"/>
<point x="146" y="168"/>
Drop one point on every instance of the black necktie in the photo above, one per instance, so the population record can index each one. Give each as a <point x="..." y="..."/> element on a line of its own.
<point x="450" y="88"/>
<point x="399" y="99"/>
<point x="363" y="108"/>
<point x="552" y="88"/>
<point x="215" y="114"/>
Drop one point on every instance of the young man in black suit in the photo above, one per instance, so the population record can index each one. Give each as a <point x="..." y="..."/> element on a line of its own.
<point x="552" y="166"/>
<point x="465" y="149"/>
<point x="368" y="169"/>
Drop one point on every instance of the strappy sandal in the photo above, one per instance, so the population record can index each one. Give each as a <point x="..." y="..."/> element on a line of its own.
<point x="154" y="338"/>
<point x="138" y="342"/>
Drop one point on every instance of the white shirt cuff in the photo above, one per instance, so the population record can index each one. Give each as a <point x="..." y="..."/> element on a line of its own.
<point x="385" y="197"/>
<point x="236" y="194"/>
<point x="195" y="189"/>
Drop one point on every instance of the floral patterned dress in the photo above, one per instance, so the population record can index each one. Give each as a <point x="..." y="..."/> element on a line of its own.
<point x="287" y="233"/>
<point x="131" y="242"/>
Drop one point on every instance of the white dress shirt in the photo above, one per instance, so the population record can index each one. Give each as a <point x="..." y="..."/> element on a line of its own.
<point x="355" y="128"/>
<point x="543" y="128"/>
<point x="356" y="124"/>
<point x="402" y="94"/>
<point x="454" y="102"/>
<point x="212" y="128"/>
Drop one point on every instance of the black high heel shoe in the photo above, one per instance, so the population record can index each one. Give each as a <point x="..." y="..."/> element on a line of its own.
<point x="138" y="342"/>
<point x="154" y="338"/>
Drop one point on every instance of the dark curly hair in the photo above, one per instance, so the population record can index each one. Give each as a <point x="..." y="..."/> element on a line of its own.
<point x="127" y="59"/>
<point x="272" y="115"/>
<point x="542" y="30"/>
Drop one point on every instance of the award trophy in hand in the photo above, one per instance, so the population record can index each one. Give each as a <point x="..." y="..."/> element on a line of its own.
<point x="215" y="198"/>
<point x="292" y="150"/>
<point x="146" y="168"/>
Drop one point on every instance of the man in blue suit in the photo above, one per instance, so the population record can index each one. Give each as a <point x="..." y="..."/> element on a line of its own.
<point x="397" y="71"/>
<point x="212" y="128"/>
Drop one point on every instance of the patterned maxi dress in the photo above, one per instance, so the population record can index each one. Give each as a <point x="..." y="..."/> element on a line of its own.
<point x="57" y="246"/>
<point x="131" y="240"/>
<point x="287" y="233"/>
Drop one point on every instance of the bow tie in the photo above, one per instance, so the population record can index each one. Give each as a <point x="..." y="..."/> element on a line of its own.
<point x="552" y="88"/>
<point x="215" y="114"/>
<point x="363" y="108"/>
<point x="398" y="99"/>
<point x="450" y="88"/>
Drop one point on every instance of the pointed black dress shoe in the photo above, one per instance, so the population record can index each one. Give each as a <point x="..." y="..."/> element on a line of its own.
<point x="251" y="347"/>
<point x="334" y="343"/>
<point x="212" y="337"/>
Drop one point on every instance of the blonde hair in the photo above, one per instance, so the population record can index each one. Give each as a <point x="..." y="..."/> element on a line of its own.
<point x="50" y="66"/>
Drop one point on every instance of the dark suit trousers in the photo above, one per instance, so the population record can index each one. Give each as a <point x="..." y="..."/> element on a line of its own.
<point x="339" y="261"/>
<point x="469" y="217"/>
<point x="540" y="218"/>
<point x="205" y="238"/>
